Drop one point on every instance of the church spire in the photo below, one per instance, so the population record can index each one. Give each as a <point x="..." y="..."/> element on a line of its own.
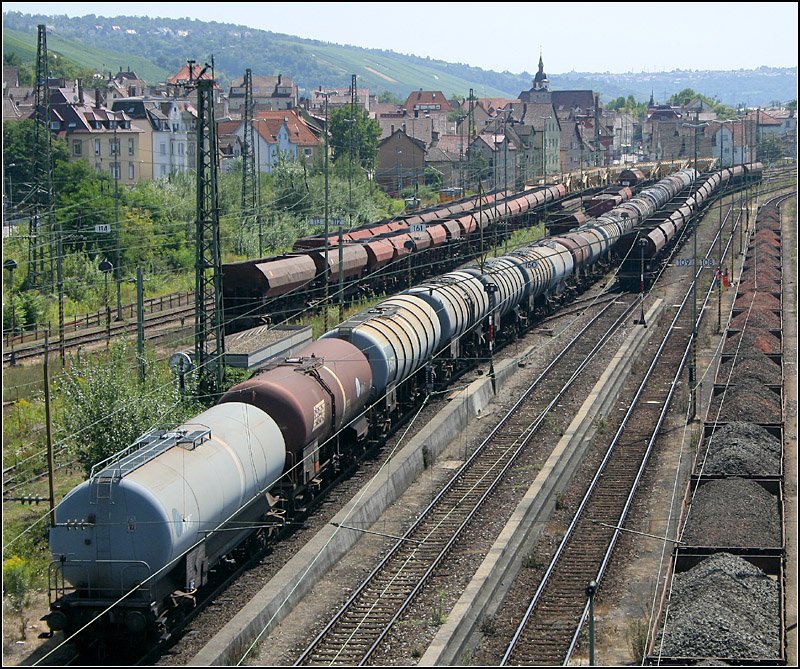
<point x="540" y="82"/>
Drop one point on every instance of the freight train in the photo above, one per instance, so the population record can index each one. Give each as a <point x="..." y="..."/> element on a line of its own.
<point x="375" y="260"/>
<point x="657" y="238"/>
<point x="134" y="543"/>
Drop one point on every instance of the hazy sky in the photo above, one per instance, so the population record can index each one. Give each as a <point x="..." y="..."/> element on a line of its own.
<point x="614" y="36"/>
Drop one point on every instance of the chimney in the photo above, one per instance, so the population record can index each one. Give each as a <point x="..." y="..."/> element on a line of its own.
<point x="80" y="91"/>
<point x="97" y="98"/>
<point x="279" y="80"/>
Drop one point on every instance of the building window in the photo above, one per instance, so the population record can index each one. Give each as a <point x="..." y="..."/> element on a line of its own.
<point x="131" y="173"/>
<point x="113" y="147"/>
<point x="114" y="170"/>
<point x="163" y="170"/>
<point x="180" y="149"/>
<point x="131" y="146"/>
<point x="307" y="153"/>
<point x="163" y="147"/>
<point x="76" y="147"/>
<point x="97" y="147"/>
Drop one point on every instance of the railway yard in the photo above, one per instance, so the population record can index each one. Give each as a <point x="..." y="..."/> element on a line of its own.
<point x="576" y="454"/>
<point x="628" y="595"/>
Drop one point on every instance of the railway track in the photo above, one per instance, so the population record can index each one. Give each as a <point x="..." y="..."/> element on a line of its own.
<point x="156" y="326"/>
<point x="550" y="628"/>
<point x="343" y="640"/>
<point x="355" y="633"/>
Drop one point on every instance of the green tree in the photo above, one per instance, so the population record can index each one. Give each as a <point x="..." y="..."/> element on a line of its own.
<point x="26" y="70"/>
<point x="770" y="149"/>
<point x="19" y="184"/>
<point x="362" y="136"/>
<point x="106" y="408"/>
<point x="85" y="198"/>
<point x="387" y="96"/>
<point x="684" y="97"/>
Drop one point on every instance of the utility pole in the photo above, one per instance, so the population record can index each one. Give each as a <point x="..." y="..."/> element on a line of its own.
<point x="248" y="206"/>
<point x="352" y="123"/>
<point x="209" y="340"/>
<point x="117" y="270"/>
<point x="327" y="217"/>
<point x="43" y="172"/>
<point x="693" y="361"/>
<point x="471" y="132"/>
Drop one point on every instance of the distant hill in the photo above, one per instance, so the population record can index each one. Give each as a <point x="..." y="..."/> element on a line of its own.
<point x="157" y="48"/>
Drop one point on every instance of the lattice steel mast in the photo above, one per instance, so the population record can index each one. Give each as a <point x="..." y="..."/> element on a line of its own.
<point x="209" y="343"/>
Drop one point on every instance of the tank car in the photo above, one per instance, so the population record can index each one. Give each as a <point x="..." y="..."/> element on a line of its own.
<point x="146" y="528"/>
<point x="321" y="391"/>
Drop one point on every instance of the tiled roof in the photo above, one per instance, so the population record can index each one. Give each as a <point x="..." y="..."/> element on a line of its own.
<point x="418" y="98"/>
<point x="182" y="76"/>
<point x="572" y="99"/>
<point x="270" y="124"/>
<point x="453" y="144"/>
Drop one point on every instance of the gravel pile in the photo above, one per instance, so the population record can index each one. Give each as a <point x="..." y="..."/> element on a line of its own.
<point x="761" y="280"/>
<point x="763" y="270"/>
<point x="769" y="223"/>
<point x="765" y="245"/>
<point x="741" y="449"/>
<point x="767" y="235"/>
<point x="763" y="340"/>
<point x="733" y="512"/>
<point x="748" y="400"/>
<point x="763" y="257"/>
<point x="750" y="363"/>
<point x="723" y="607"/>
<point x="765" y="300"/>
<point x="757" y="318"/>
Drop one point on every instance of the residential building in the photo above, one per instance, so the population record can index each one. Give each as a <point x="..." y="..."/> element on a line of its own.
<point x="338" y="97"/>
<point x="104" y="138"/>
<point x="448" y="156"/>
<point x="535" y="130"/>
<point x="168" y="134"/>
<point x="278" y="135"/>
<point x="431" y="101"/>
<point x="400" y="162"/>
<point x="269" y="94"/>
<point x="728" y="142"/>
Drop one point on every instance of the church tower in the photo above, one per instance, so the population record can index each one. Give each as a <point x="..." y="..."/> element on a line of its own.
<point x="540" y="82"/>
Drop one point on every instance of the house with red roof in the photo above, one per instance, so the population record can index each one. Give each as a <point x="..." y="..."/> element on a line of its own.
<point x="277" y="135"/>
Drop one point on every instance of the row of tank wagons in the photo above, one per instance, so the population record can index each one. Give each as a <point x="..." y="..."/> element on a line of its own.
<point x="658" y="238"/>
<point x="147" y="525"/>
<point x="432" y="215"/>
<point x="391" y="255"/>
<point x="640" y="267"/>
<point x="628" y="182"/>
